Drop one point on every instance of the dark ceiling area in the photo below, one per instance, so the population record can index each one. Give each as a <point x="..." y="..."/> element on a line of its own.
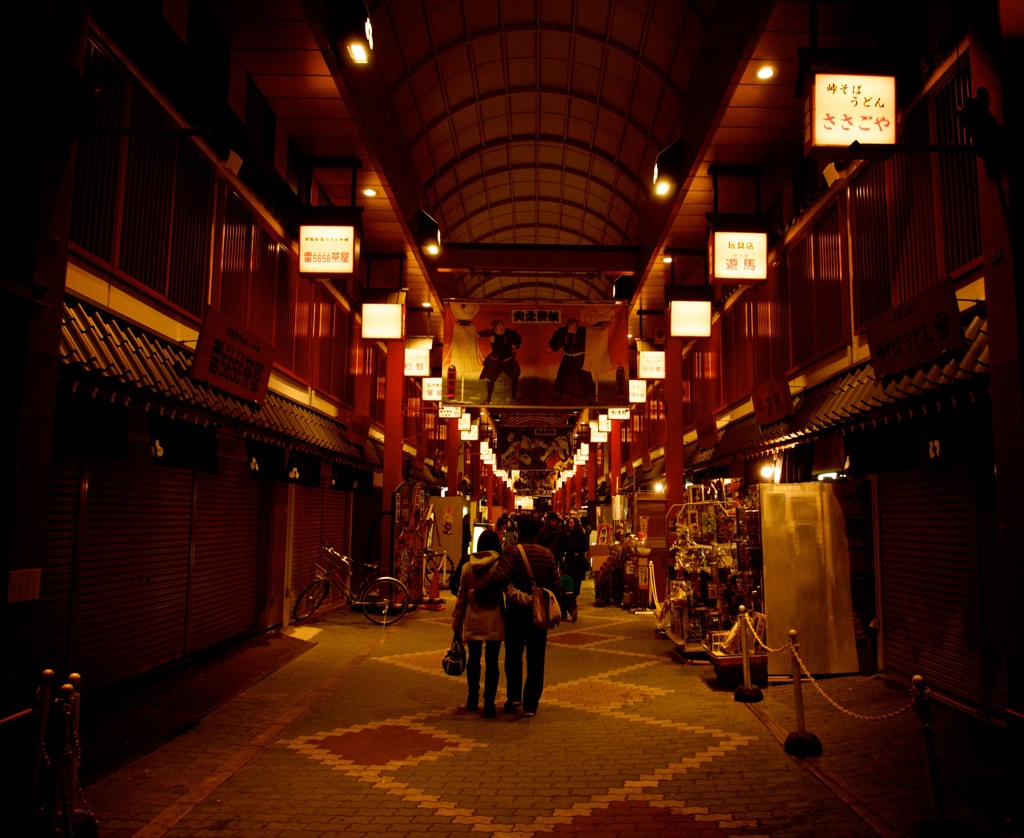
<point x="529" y="132"/>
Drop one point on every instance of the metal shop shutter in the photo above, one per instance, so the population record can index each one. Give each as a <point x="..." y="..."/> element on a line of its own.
<point x="51" y="629"/>
<point x="929" y="568"/>
<point x="307" y="521"/>
<point x="133" y="568"/>
<point x="222" y="598"/>
<point x="336" y="530"/>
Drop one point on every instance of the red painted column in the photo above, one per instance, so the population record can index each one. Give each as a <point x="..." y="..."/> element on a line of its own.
<point x="394" y="423"/>
<point x="675" y="472"/>
<point x="614" y="457"/>
<point x="452" y="457"/>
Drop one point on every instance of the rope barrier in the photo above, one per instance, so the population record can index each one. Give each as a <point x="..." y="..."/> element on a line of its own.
<point x="803" y="668"/>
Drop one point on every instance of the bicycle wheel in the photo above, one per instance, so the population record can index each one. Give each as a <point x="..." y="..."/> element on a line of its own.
<point x="384" y="600"/>
<point x="310" y="599"/>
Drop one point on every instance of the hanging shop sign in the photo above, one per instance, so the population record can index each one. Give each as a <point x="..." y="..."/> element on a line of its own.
<point x="232" y="359"/>
<point x="772" y="401"/>
<point x="358" y="429"/>
<point x="637" y="391"/>
<point x="417" y="356"/>
<point x="620" y="414"/>
<point x="432" y="389"/>
<point x="847" y="108"/>
<point x="650" y="364"/>
<point x="327" y="249"/>
<point x="917" y="331"/>
<point x="707" y="431"/>
<point x="737" y="249"/>
<point x="448" y="411"/>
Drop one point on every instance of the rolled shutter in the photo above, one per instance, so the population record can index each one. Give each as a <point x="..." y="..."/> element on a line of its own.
<point x="930" y="577"/>
<point x="133" y="568"/>
<point x="223" y="597"/>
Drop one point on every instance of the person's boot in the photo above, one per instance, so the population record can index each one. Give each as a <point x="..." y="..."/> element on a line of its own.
<point x="490" y="711"/>
<point x="473" y="701"/>
<point x="490" y="392"/>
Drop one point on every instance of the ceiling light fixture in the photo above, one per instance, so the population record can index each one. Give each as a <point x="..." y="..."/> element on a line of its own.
<point x="370" y="192"/>
<point x="352" y="31"/>
<point x="428" y="234"/>
<point x="766" y="72"/>
<point x="668" y="170"/>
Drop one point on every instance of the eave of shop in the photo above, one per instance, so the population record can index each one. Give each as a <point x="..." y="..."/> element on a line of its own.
<point x="101" y="346"/>
<point x="850" y="400"/>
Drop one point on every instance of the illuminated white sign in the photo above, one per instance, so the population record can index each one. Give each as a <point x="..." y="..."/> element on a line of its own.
<point x="448" y="411"/>
<point x="417" y="363"/>
<point x="326" y="249"/>
<point x="637" y="391"/>
<point x="738" y="258"/>
<point x="432" y="389"/>
<point x="844" y="108"/>
<point x="619" y="413"/>
<point x="650" y="364"/>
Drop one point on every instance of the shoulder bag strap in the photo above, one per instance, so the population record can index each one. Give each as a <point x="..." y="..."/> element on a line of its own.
<point x="526" y="561"/>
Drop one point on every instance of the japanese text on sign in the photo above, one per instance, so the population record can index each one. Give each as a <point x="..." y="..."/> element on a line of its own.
<point x="651" y="365"/>
<point x="739" y="256"/>
<point x="231" y="359"/>
<point x="916" y="331"/>
<point x="536" y="315"/>
<point x="326" y="249"/>
<point x="417" y="361"/>
<point x="853" y="107"/>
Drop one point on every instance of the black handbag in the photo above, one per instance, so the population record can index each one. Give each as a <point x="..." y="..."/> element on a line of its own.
<point x="454" y="660"/>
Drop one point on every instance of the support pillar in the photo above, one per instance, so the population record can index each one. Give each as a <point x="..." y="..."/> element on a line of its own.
<point x="394" y="423"/>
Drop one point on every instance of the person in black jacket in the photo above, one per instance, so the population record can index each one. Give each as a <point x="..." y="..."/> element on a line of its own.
<point x="521" y="635"/>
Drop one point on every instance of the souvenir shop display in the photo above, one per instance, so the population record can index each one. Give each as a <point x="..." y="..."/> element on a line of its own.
<point x="714" y="567"/>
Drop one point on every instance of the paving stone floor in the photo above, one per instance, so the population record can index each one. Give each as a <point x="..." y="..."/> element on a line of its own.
<point x="362" y="736"/>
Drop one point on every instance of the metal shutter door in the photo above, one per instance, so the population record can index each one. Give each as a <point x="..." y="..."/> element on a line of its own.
<point x="222" y="600"/>
<point x="335" y="526"/>
<point x="132" y="580"/>
<point x="929" y="574"/>
<point x="52" y="622"/>
<point x="307" y="516"/>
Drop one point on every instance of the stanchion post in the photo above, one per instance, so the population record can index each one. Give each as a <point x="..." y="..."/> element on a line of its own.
<point x="937" y="825"/>
<point x="42" y="708"/>
<point x="800" y="743"/>
<point x="74" y="757"/>
<point x="746" y="692"/>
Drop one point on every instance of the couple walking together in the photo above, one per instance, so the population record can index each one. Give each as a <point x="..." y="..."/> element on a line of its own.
<point x="493" y="606"/>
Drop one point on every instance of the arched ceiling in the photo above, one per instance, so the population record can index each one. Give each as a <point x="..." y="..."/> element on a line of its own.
<point x="529" y="130"/>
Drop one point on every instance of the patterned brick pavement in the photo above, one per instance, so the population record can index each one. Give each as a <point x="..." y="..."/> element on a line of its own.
<point x="361" y="735"/>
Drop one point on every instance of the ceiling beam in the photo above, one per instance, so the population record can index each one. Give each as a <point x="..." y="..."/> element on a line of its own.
<point x="553" y="259"/>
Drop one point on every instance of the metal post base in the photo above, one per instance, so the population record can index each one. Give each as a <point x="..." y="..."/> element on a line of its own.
<point x="802" y="745"/>
<point x="748" y="695"/>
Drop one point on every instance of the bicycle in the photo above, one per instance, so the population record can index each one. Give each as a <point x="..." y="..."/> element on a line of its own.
<point x="438" y="561"/>
<point x="382" y="600"/>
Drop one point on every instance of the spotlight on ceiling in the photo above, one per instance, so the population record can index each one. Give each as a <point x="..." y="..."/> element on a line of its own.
<point x="352" y="32"/>
<point x="428" y="234"/>
<point x="668" y="170"/>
